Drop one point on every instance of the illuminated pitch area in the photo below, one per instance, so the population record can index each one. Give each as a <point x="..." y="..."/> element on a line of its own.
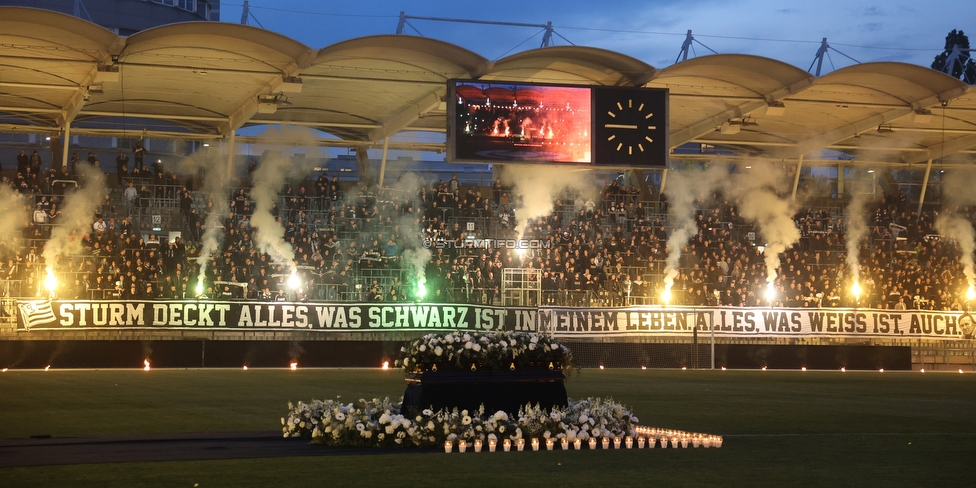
<point x="864" y="426"/>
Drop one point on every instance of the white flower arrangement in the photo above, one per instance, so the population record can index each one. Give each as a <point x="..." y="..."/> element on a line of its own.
<point x="377" y="423"/>
<point x="492" y="351"/>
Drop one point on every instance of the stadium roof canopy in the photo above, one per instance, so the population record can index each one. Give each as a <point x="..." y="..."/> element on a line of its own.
<point x="205" y="80"/>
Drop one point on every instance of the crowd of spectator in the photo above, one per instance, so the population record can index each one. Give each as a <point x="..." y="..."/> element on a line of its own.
<point x="362" y="243"/>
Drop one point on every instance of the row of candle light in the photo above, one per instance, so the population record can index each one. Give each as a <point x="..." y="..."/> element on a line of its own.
<point x="645" y="437"/>
<point x="386" y="366"/>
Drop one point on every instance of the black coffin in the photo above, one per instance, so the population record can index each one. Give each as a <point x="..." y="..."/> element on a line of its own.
<point x="496" y="390"/>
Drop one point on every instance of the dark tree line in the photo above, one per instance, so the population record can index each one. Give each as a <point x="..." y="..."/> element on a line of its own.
<point x="956" y="58"/>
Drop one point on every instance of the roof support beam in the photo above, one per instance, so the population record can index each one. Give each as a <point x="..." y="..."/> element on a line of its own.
<point x="408" y="113"/>
<point x="943" y="149"/>
<point x="706" y="126"/>
<point x="76" y="131"/>
<point x="709" y="124"/>
<point x="249" y="107"/>
<point x="27" y="110"/>
<point x="71" y="109"/>
<point x="925" y="186"/>
<point x="197" y="118"/>
<point x="64" y="146"/>
<point x="840" y="134"/>
<point x="386" y="150"/>
<point x="796" y="178"/>
<point x="37" y="86"/>
<point x="850" y="130"/>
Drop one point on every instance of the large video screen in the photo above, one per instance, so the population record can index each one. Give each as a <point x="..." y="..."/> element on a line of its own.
<point x="503" y="121"/>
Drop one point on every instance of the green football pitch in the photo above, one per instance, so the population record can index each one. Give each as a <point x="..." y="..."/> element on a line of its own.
<point x="781" y="428"/>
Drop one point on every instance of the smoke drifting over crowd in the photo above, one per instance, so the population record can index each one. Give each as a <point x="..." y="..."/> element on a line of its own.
<point x="13" y="213"/>
<point x="957" y="191"/>
<point x="76" y="217"/>
<point x="273" y="171"/>
<point x="415" y="255"/>
<point x="683" y="189"/>
<point x="215" y="181"/>
<point x="536" y="187"/>
<point x="857" y="228"/>
<point x="961" y="230"/>
<point x="756" y="190"/>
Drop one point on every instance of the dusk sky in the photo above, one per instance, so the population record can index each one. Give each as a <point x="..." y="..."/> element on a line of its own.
<point x="897" y="30"/>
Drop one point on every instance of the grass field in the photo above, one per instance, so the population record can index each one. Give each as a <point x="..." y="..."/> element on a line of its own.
<point x="781" y="428"/>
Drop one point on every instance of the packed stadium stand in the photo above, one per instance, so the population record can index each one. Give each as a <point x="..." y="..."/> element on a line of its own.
<point x="349" y="243"/>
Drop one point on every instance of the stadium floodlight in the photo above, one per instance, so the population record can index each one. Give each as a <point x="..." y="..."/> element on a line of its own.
<point x="293" y="282"/>
<point x="51" y="281"/>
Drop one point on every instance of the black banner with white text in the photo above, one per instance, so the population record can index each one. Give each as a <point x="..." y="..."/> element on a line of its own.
<point x="77" y="314"/>
<point x="724" y="322"/>
<point x="757" y="322"/>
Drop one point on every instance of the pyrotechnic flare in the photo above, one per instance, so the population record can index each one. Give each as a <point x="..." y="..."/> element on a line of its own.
<point x="77" y="217"/>
<point x="770" y="292"/>
<point x="668" y="283"/>
<point x="856" y="290"/>
<point x="971" y="293"/>
<point x="857" y="229"/>
<point x="215" y="186"/>
<point x="683" y="189"/>
<point x="50" y="281"/>
<point x="416" y="254"/>
<point x="421" y="288"/>
<point x="958" y="192"/>
<point x="269" y="178"/>
<point x="960" y="230"/>
<point x="757" y="192"/>
<point x="293" y="281"/>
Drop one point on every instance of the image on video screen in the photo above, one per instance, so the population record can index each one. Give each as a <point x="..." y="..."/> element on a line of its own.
<point x="520" y="122"/>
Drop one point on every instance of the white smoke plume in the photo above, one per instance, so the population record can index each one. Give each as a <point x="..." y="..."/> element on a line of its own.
<point x="756" y="190"/>
<point x="415" y="255"/>
<point x="215" y="185"/>
<point x="273" y="171"/>
<point x="961" y="230"/>
<point x="958" y="192"/>
<point x="683" y="189"/>
<point x="857" y="229"/>
<point x="536" y="187"/>
<point x="13" y="215"/>
<point x="77" y="216"/>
